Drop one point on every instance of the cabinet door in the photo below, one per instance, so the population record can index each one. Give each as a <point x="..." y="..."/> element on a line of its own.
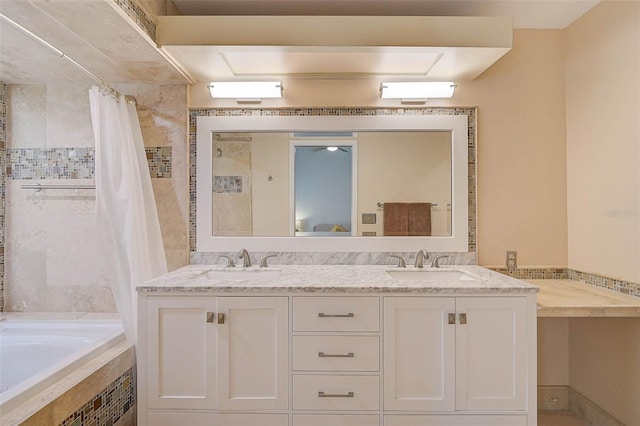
<point x="491" y="353"/>
<point x="253" y="348"/>
<point x="419" y="354"/>
<point x="180" y="350"/>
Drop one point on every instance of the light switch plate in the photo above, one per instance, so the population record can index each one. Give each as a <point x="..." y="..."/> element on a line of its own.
<point x="368" y="218"/>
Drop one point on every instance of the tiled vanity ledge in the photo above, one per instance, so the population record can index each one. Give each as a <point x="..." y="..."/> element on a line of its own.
<point x="331" y="278"/>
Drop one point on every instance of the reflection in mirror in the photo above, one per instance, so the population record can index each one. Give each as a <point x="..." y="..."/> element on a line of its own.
<point x="245" y="190"/>
<point x="398" y="184"/>
<point x="323" y="189"/>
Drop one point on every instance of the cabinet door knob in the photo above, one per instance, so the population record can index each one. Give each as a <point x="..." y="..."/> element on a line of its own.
<point x="210" y="317"/>
<point x="463" y="318"/>
<point x="452" y="318"/>
<point x="220" y="318"/>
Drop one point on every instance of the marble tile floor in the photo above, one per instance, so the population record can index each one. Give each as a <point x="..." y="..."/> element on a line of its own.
<point x="558" y="418"/>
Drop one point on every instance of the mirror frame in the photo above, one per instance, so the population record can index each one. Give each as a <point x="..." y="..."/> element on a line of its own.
<point x="458" y="241"/>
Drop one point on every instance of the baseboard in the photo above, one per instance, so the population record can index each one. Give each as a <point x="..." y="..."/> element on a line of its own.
<point x="590" y="413"/>
<point x="565" y="398"/>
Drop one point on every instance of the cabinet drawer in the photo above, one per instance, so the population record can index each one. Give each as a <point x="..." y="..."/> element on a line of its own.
<point x="336" y="353"/>
<point x="336" y="314"/>
<point x="335" y="392"/>
<point x="336" y="420"/>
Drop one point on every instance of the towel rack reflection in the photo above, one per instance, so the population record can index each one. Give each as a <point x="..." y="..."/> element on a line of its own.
<point x="39" y="186"/>
<point x="381" y="205"/>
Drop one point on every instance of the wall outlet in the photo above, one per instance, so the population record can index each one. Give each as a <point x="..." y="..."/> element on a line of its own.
<point x="368" y="218"/>
<point x="512" y="260"/>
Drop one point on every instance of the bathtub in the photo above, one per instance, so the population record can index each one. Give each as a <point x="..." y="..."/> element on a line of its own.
<point x="34" y="354"/>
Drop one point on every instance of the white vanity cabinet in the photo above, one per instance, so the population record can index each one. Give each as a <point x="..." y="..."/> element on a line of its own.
<point x="205" y="356"/>
<point x="365" y="351"/>
<point x="456" y="355"/>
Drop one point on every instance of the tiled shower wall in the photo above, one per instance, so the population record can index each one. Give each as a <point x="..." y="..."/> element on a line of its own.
<point x="53" y="262"/>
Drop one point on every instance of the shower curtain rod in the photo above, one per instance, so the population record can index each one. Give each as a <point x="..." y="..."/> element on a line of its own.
<point x="60" y="53"/>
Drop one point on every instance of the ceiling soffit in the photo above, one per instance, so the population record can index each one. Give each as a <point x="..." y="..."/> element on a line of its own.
<point x="237" y="47"/>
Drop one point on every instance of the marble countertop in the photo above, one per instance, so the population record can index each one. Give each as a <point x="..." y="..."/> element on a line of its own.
<point x="569" y="298"/>
<point x="329" y="278"/>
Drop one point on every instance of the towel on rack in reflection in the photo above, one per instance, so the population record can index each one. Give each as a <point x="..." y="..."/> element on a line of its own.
<point x="419" y="219"/>
<point x="396" y="216"/>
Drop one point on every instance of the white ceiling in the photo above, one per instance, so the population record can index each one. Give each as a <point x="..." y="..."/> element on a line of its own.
<point x="114" y="48"/>
<point x="525" y="13"/>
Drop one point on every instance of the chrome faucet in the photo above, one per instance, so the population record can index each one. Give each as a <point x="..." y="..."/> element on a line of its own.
<point x="421" y="257"/>
<point x="435" y="263"/>
<point x="246" y="259"/>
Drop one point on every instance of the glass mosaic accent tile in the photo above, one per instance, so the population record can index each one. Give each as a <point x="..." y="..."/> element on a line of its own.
<point x="329" y="111"/>
<point x="72" y="163"/>
<point x="227" y="184"/>
<point x="533" y="273"/>
<point x="159" y="159"/>
<point x="106" y="408"/>
<point x="137" y="13"/>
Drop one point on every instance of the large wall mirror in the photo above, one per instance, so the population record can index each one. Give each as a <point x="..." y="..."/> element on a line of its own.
<point x="332" y="183"/>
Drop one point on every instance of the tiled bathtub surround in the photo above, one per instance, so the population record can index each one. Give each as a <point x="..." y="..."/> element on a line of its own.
<point x="108" y="406"/>
<point x="311" y="111"/>
<point x="72" y="163"/>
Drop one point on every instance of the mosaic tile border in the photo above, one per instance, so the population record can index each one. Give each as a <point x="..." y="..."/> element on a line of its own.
<point x="533" y="273"/>
<point x="108" y="406"/>
<point x="137" y="13"/>
<point x="621" y="286"/>
<point x="72" y="163"/>
<point x="333" y="111"/>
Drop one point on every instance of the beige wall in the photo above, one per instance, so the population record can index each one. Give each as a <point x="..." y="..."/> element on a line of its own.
<point x="604" y="364"/>
<point x="602" y="71"/>
<point x="602" y="61"/>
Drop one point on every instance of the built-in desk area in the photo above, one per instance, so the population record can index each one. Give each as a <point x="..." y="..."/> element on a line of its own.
<point x="569" y="298"/>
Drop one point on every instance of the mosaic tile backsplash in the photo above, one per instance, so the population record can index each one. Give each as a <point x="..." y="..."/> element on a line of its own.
<point x="227" y="184"/>
<point x="106" y="408"/>
<point x="72" y="163"/>
<point x="314" y="111"/>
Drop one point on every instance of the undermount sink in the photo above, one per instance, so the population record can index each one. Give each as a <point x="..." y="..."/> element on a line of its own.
<point x="242" y="274"/>
<point x="431" y="274"/>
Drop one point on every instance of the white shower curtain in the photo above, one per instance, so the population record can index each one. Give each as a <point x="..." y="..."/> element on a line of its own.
<point x="126" y="215"/>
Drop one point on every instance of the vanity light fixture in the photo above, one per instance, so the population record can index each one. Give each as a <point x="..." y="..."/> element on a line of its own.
<point x="416" y="92"/>
<point x="246" y="91"/>
<point x="332" y="148"/>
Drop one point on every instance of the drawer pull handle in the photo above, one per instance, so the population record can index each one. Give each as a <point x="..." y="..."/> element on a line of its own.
<point x="323" y="315"/>
<point x="336" y="395"/>
<point x="347" y="355"/>
<point x="211" y="317"/>
<point x="463" y="318"/>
